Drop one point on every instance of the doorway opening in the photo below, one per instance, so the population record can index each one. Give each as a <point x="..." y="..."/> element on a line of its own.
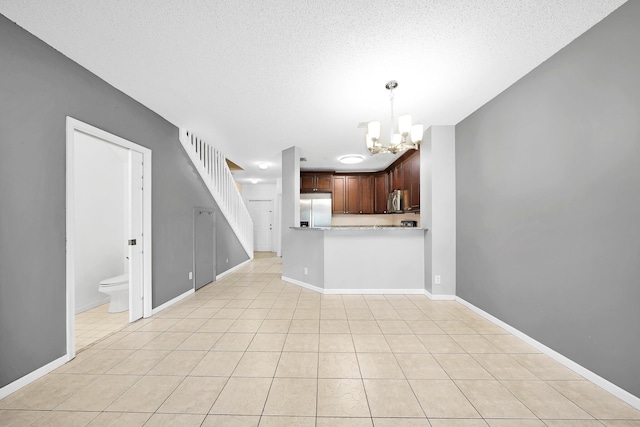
<point x="108" y="230"/>
<point x="261" y="212"/>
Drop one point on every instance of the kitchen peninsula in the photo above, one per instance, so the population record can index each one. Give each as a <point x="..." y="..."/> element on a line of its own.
<point x="360" y="260"/>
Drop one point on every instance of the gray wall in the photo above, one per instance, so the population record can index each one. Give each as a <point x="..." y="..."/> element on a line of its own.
<point x="39" y="87"/>
<point x="548" y="193"/>
<point x="290" y="211"/>
<point x="305" y="248"/>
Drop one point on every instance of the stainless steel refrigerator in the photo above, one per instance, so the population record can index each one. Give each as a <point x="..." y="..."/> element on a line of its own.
<point x="315" y="210"/>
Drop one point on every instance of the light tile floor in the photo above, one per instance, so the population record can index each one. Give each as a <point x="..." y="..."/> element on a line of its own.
<point x="95" y="324"/>
<point x="252" y="350"/>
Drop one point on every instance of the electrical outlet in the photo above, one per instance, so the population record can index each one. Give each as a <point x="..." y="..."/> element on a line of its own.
<point x="306" y="271"/>
<point x="437" y="279"/>
<point x="227" y="260"/>
<point x="190" y="275"/>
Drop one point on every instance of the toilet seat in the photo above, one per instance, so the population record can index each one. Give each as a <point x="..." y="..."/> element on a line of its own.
<point x="115" y="280"/>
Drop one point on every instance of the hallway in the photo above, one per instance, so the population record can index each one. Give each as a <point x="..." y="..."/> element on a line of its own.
<point x="252" y="350"/>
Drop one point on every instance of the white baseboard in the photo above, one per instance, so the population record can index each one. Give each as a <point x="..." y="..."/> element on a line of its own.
<point x="232" y="269"/>
<point x="31" y="377"/>
<point x="354" y="291"/>
<point x="171" y="302"/>
<point x="578" y="369"/>
<point x="303" y="284"/>
<point x="439" y="297"/>
<point x="374" y="291"/>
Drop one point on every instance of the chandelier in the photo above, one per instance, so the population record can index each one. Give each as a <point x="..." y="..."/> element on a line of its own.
<point x="408" y="137"/>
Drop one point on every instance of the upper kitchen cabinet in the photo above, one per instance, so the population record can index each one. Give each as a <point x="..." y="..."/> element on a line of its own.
<point x="338" y="199"/>
<point x="315" y="182"/>
<point x="367" y="195"/>
<point x="404" y="174"/>
<point x="353" y="194"/>
<point x="414" y="181"/>
<point x="380" y="192"/>
<point x="396" y="177"/>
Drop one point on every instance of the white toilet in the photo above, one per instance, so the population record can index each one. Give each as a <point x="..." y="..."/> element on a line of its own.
<point x="118" y="288"/>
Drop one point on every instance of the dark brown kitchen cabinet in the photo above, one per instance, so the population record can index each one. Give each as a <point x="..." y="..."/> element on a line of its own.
<point x="396" y="178"/>
<point x="353" y="194"/>
<point x="414" y="181"/>
<point x="380" y="192"/>
<point x="312" y="182"/>
<point x="366" y="194"/>
<point x="338" y="200"/>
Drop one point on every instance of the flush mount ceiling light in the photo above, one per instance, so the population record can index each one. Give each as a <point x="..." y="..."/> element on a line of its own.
<point x="351" y="159"/>
<point x="263" y="165"/>
<point x="398" y="141"/>
<point x="253" y="181"/>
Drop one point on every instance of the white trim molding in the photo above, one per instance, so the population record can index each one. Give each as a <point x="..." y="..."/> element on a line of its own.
<point x="439" y="297"/>
<point x="232" y="269"/>
<point x="303" y="284"/>
<point x="173" y="301"/>
<point x="32" y="376"/>
<point x="353" y="291"/>
<point x="72" y="126"/>
<point x="578" y="369"/>
<point x="373" y="291"/>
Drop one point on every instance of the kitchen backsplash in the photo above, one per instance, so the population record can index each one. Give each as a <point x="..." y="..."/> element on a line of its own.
<point x="383" y="219"/>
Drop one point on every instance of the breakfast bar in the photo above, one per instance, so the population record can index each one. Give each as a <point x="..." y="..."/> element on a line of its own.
<point x="356" y="260"/>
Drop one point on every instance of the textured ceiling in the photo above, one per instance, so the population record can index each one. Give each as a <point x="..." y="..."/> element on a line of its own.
<point x="256" y="77"/>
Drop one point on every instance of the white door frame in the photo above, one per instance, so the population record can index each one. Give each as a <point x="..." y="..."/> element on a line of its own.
<point x="73" y="125"/>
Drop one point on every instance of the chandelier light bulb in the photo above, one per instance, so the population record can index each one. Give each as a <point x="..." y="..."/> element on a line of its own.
<point x="374" y="130"/>
<point x="417" y="132"/>
<point x="369" y="141"/>
<point x="404" y="124"/>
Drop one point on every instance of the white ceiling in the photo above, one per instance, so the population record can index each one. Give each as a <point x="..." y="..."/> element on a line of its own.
<point x="256" y="77"/>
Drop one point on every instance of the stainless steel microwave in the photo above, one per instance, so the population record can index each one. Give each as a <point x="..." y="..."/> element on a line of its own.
<point x="395" y="203"/>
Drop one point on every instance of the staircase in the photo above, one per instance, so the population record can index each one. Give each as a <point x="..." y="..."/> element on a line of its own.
<point x="212" y="166"/>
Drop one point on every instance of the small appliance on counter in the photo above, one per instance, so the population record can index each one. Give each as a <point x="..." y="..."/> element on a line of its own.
<point x="408" y="223"/>
<point x="395" y="202"/>
<point x="304" y="224"/>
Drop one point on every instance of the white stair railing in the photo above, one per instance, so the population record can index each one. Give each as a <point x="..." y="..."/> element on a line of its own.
<point x="212" y="166"/>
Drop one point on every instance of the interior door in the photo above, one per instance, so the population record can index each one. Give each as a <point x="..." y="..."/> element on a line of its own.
<point x="261" y="212"/>
<point x="204" y="251"/>
<point x="136" y="248"/>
